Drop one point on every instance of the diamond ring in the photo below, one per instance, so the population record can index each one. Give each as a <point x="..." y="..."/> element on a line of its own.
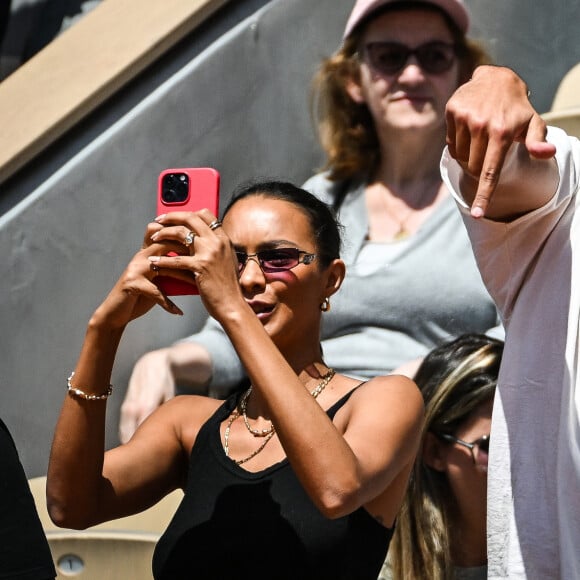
<point x="189" y="239"/>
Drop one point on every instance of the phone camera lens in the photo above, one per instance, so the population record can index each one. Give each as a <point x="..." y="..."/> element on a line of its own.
<point x="175" y="188"/>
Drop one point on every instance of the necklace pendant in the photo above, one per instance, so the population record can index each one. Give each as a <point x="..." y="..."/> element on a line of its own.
<point x="402" y="234"/>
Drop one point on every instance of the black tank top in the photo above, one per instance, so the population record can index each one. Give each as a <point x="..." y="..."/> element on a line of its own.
<point x="235" y="524"/>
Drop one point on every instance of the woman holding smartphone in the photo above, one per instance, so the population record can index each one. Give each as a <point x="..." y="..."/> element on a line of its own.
<point x="411" y="281"/>
<point x="284" y="478"/>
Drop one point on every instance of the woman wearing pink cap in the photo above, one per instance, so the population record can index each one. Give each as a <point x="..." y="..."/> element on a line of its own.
<point x="381" y="107"/>
<point x="412" y="281"/>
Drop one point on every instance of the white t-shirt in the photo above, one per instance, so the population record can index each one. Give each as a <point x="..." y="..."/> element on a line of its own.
<point x="531" y="267"/>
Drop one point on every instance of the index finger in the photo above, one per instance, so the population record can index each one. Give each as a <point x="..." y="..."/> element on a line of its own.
<point x="493" y="162"/>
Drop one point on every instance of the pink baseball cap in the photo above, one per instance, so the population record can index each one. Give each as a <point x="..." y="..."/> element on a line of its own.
<point x="455" y="9"/>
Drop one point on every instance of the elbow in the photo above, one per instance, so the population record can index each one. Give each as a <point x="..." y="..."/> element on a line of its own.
<point x="63" y="516"/>
<point x="70" y="506"/>
<point x="337" y="503"/>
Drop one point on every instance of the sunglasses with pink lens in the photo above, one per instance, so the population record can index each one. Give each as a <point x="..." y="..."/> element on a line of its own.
<point x="276" y="259"/>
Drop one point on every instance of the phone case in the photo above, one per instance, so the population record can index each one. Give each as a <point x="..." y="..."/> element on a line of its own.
<point x="185" y="189"/>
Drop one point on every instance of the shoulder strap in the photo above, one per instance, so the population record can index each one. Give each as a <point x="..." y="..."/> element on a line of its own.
<point x="342" y="401"/>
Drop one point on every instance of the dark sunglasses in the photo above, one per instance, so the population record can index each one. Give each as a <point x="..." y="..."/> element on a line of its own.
<point x="389" y="58"/>
<point x="479" y="448"/>
<point x="276" y="259"/>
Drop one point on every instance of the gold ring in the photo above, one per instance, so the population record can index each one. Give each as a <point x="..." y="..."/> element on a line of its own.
<point x="189" y="239"/>
<point x="215" y="225"/>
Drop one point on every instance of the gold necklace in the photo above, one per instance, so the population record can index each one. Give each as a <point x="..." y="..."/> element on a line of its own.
<point x="322" y="384"/>
<point x="402" y="233"/>
<point x="270" y="431"/>
<point x="234" y="416"/>
<point x="243" y="408"/>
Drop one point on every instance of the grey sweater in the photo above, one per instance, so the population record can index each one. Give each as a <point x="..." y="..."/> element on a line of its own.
<point x="398" y="299"/>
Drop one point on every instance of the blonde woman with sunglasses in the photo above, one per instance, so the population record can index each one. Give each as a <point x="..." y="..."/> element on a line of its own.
<point x="441" y="530"/>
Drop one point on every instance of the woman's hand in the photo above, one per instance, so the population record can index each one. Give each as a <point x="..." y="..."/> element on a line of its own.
<point x="209" y="257"/>
<point x="135" y="292"/>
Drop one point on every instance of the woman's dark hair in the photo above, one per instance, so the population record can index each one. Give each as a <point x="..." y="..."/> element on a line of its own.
<point x="455" y="379"/>
<point x="325" y="228"/>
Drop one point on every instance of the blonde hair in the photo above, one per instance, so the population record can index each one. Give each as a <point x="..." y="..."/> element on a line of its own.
<point x="455" y="379"/>
<point x="346" y="129"/>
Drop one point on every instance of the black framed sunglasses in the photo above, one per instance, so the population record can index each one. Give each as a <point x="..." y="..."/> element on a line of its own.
<point x="276" y="259"/>
<point x="479" y="448"/>
<point x="389" y="58"/>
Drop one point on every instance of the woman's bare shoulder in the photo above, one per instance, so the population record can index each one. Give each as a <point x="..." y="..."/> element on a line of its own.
<point x="390" y="392"/>
<point x="392" y="387"/>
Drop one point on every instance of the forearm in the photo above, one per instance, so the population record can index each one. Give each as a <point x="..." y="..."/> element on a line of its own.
<point x="75" y="480"/>
<point x="323" y="461"/>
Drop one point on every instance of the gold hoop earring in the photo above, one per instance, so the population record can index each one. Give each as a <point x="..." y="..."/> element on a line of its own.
<point x="325" y="306"/>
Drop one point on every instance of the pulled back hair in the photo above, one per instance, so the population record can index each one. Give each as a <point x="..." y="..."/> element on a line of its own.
<point x="324" y="226"/>
<point x="455" y="379"/>
<point x="346" y="129"/>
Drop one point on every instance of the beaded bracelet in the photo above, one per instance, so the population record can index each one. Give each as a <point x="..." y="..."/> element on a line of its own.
<point x="82" y="395"/>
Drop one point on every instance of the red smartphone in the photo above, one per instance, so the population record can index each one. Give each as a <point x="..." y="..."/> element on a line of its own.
<point x="186" y="189"/>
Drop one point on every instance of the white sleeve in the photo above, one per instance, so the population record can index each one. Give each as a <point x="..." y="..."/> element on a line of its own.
<point x="505" y="251"/>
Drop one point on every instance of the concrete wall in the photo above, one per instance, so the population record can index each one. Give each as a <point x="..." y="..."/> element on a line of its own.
<point x="238" y="104"/>
<point x="233" y="97"/>
<point x="537" y="39"/>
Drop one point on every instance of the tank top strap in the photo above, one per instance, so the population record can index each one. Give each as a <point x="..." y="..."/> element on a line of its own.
<point x="231" y="402"/>
<point x="342" y="401"/>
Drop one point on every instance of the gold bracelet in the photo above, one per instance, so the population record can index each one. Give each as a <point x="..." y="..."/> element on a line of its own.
<point x="82" y="395"/>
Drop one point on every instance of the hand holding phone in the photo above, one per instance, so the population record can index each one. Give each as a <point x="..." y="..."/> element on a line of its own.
<point x="185" y="189"/>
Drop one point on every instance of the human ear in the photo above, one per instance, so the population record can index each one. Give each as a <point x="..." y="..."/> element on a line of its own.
<point x="335" y="276"/>
<point x="432" y="452"/>
<point x="354" y="91"/>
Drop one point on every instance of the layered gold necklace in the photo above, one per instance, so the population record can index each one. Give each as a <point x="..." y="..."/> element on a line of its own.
<point x="268" y="433"/>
